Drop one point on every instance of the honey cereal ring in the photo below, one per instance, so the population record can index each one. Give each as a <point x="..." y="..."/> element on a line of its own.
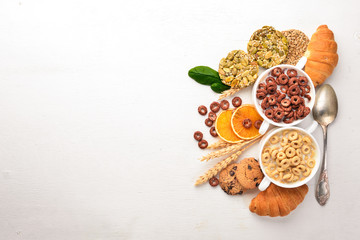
<point x="274" y="153"/>
<point x="284" y="141"/>
<point x="213" y="132"/>
<point x="288" y="120"/>
<point x="202" y="110"/>
<point x="287" y="176"/>
<point x="311" y="163"/>
<point x="281" y="155"/>
<point x="299" y="152"/>
<point x="270" y="80"/>
<point x="272" y="100"/>
<point x="236" y="102"/>
<point x="268" y="150"/>
<point x="290" y="152"/>
<point x="215" y="107"/>
<point x="308" y="97"/>
<point x="295" y="100"/>
<point x="301" y="168"/>
<point x="272" y="167"/>
<point x="276" y="72"/>
<point x="274" y="139"/>
<point x="278" y="161"/>
<point x="209" y="122"/>
<point x="293" y="135"/>
<point x="269" y="113"/>
<point x="305" y="149"/>
<point x="296" y="144"/>
<point x="285" y="163"/>
<point x="303" y="81"/>
<point x="295" y="178"/>
<point x="279" y="113"/>
<point x="307" y="140"/>
<point x="275" y="174"/>
<point x="283" y="79"/>
<point x="281" y="174"/>
<point x="213" y="181"/>
<point x="198" y="135"/>
<point x="285" y="147"/>
<point x="307" y="172"/>
<point x="296" y="171"/>
<point x="293" y="90"/>
<point x="280" y="169"/>
<point x="203" y="144"/>
<point x="293" y="81"/>
<point x="265" y="157"/>
<point x="281" y="97"/>
<point x="212" y="116"/>
<point x="295" y="161"/>
<point x="257" y="124"/>
<point x="291" y="73"/>
<point x="246" y="123"/>
<point x="224" y="104"/>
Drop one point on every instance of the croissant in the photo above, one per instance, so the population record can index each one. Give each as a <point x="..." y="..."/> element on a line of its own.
<point x="277" y="201"/>
<point x="321" y="55"/>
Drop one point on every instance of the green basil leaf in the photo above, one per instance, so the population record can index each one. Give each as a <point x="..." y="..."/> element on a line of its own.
<point x="219" y="87"/>
<point x="204" y="75"/>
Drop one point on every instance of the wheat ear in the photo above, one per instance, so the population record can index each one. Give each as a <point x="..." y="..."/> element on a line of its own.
<point x="229" y="92"/>
<point x="222" y="164"/>
<point x="219" y="144"/>
<point x="224" y="151"/>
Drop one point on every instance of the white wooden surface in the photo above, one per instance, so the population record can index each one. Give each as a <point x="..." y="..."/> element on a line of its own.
<point x="97" y="115"/>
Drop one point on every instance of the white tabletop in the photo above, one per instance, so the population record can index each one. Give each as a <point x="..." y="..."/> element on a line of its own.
<point x="97" y="115"/>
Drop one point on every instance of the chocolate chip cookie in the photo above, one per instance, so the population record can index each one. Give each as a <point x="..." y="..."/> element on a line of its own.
<point x="248" y="173"/>
<point x="228" y="181"/>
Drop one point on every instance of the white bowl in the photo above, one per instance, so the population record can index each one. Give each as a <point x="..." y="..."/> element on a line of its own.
<point x="266" y="123"/>
<point x="267" y="180"/>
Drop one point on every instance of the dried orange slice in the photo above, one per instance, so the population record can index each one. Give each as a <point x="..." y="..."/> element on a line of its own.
<point x="246" y="111"/>
<point x="223" y="127"/>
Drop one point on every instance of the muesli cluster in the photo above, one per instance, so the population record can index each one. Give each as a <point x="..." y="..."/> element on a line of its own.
<point x="268" y="46"/>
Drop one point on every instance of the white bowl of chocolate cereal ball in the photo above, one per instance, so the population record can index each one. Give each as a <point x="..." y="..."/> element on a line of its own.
<point x="284" y="95"/>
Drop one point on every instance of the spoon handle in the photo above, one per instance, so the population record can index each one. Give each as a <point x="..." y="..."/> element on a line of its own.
<point x="322" y="193"/>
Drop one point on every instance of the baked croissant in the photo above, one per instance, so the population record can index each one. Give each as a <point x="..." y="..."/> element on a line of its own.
<point x="277" y="201"/>
<point x="321" y="55"/>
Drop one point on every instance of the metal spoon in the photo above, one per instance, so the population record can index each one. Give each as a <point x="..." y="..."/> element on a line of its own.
<point x="324" y="112"/>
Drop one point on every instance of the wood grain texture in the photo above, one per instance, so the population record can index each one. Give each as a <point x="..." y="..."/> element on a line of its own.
<point x="97" y="115"/>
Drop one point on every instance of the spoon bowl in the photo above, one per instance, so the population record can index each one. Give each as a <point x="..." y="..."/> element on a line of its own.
<point x="326" y="105"/>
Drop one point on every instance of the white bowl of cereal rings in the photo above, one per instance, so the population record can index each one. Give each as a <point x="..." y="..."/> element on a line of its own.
<point x="289" y="157"/>
<point x="284" y="95"/>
